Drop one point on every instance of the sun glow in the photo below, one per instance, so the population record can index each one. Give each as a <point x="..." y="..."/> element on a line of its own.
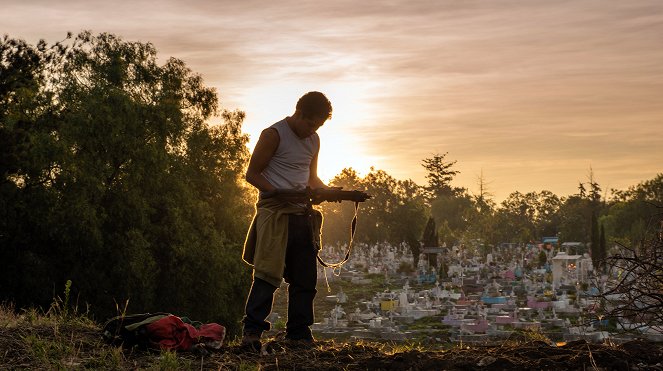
<point x="340" y="139"/>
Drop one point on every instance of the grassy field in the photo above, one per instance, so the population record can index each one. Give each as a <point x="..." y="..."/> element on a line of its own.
<point x="64" y="339"/>
<point x="32" y="340"/>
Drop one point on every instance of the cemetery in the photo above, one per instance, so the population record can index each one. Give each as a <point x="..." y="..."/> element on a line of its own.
<point x="381" y="295"/>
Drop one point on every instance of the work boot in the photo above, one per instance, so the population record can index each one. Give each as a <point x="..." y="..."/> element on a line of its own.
<point x="302" y="335"/>
<point x="251" y="342"/>
<point x="300" y="342"/>
<point x="281" y="342"/>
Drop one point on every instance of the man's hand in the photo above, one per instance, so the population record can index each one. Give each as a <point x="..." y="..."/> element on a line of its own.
<point x="334" y="189"/>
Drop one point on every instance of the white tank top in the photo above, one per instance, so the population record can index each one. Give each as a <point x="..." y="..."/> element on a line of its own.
<point x="290" y="166"/>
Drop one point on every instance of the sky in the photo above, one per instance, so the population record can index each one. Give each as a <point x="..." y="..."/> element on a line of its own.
<point x="528" y="95"/>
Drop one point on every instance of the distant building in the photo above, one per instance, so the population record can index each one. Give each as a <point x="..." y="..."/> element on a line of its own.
<point x="570" y="269"/>
<point x="573" y="247"/>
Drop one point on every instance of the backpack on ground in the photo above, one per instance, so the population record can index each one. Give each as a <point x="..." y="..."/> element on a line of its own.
<point x="130" y="330"/>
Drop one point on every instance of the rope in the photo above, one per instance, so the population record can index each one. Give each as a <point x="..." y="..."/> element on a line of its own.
<point x="353" y="228"/>
<point x="336" y="267"/>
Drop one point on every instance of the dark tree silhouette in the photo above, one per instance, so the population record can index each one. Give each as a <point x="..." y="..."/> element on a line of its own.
<point x="636" y="300"/>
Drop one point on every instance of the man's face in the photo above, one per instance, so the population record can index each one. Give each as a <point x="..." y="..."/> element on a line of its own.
<point x="308" y="126"/>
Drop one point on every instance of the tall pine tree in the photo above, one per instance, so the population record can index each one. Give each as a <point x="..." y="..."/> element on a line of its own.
<point x="595" y="242"/>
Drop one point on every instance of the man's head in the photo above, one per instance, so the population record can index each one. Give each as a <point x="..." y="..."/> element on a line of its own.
<point x="312" y="110"/>
<point x="314" y="105"/>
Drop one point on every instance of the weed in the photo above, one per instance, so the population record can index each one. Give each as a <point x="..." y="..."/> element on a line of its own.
<point x="8" y="317"/>
<point x="50" y="352"/>
<point x="31" y="316"/>
<point x="526" y="336"/>
<point x="62" y="311"/>
<point x="122" y="312"/>
<point x="108" y="358"/>
<point x="247" y="366"/>
<point x="535" y="335"/>
<point x="168" y="360"/>
<point x="60" y="307"/>
<point x="408" y="346"/>
<point x="425" y="323"/>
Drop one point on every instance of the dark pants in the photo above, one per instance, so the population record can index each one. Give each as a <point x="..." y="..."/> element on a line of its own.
<point x="300" y="274"/>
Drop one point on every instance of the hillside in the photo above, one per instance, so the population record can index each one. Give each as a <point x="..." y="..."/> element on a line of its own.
<point x="34" y="341"/>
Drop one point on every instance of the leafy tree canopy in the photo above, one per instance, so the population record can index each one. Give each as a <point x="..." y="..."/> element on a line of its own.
<point x="111" y="176"/>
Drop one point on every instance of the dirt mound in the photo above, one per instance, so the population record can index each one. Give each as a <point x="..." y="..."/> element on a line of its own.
<point x="75" y="347"/>
<point x="578" y="355"/>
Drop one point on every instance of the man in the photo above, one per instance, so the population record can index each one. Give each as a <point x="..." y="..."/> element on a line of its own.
<point x="280" y="243"/>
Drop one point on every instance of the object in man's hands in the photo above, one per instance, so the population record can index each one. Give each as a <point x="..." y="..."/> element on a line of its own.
<point x="317" y="195"/>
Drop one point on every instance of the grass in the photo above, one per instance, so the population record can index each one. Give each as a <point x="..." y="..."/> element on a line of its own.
<point x="34" y="340"/>
<point x="168" y="360"/>
<point x="52" y="339"/>
<point x="62" y="337"/>
<point x="65" y="338"/>
<point x="433" y="322"/>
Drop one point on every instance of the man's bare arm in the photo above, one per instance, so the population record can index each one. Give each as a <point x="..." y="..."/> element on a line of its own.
<point x="262" y="154"/>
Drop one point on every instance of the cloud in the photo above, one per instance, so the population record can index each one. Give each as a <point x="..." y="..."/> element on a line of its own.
<point x="525" y="90"/>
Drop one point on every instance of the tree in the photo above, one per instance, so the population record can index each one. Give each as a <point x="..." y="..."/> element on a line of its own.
<point x="454" y="215"/>
<point x="117" y="181"/>
<point x="582" y="191"/>
<point x="547" y="217"/>
<point x="602" y="250"/>
<point x="595" y="237"/>
<point x="594" y="188"/>
<point x="625" y="219"/>
<point x="337" y="216"/>
<point x="429" y="239"/>
<point x="440" y="175"/>
<point x="575" y="219"/>
<point x="379" y="210"/>
<point x="638" y="286"/>
<point x="409" y="216"/>
<point x="515" y="217"/>
<point x="481" y="224"/>
<point x="649" y="190"/>
<point x="483" y="199"/>
<point x="396" y="212"/>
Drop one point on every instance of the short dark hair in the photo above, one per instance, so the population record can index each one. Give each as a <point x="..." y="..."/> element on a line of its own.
<point x="314" y="105"/>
